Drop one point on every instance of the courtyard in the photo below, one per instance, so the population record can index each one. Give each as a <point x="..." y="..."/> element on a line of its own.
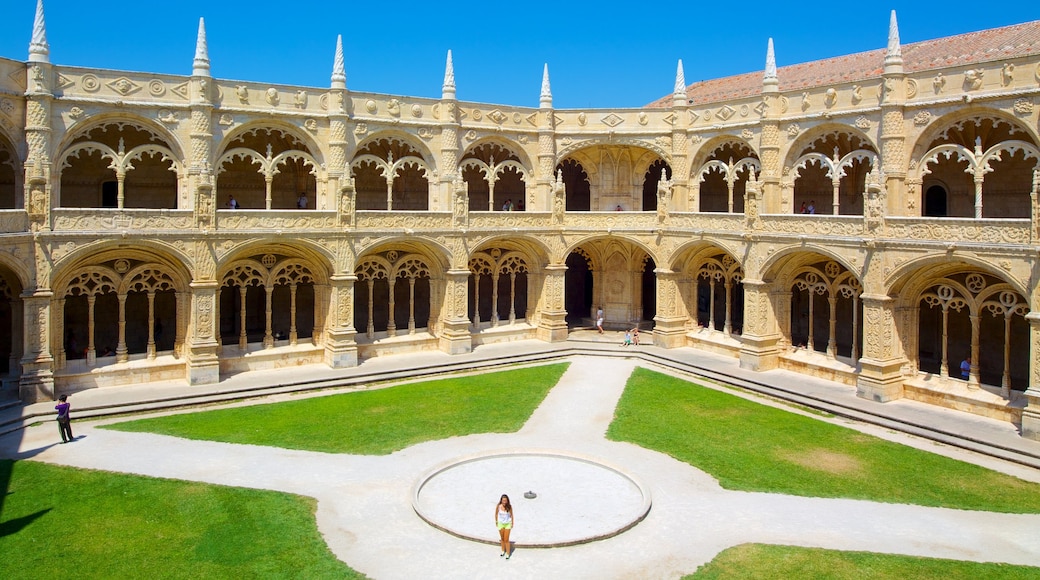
<point x="371" y="512"/>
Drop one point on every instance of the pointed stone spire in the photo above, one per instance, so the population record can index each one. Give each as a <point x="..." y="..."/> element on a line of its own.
<point x="200" y="68"/>
<point x="39" y="50"/>
<point x="339" y="70"/>
<point x="545" y="99"/>
<point x="770" y="79"/>
<point x="448" y="90"/>
<point x="894" y="55"/>
<point x="679" y="94"/>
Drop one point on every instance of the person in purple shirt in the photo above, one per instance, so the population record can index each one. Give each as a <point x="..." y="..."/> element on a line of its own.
<point x="64" y="421"/>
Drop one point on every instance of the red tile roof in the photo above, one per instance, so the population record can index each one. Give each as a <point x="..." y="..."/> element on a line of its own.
<point x="963" y="49"/>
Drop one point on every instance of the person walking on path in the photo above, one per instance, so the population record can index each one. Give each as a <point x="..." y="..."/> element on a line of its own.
<point x="504" y="521"/>
<point x="64" y="421"/>
<point x="599" y="320"/>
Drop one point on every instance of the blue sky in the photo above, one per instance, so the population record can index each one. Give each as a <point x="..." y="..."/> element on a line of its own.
<point x="600" y="54"/>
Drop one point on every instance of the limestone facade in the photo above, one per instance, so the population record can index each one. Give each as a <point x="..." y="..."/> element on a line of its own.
<point x="876" y="224"/>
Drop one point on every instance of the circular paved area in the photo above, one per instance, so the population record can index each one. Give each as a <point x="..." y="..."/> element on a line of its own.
<point x="577" y="499"/>
<point x="366" y="516"/>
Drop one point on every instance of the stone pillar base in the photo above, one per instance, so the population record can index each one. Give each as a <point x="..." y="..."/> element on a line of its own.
<point x="340" y="349"/>
<point x="552" y="327"/>
<point x="759" y="353"/>
<point x="880" y="381"/>
<point x="1031" y="416"/>
<point x="670" y="333"/>
<point x="455" y="338"/>
<point x="36" y="387"/>
<point x="203" y="366"/>
<point x="203" y="373"/>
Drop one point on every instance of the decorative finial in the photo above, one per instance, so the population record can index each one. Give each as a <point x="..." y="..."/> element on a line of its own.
<point x="201" y="65"/>
<point x="680" y="82"/>
<point x="545" y="100"/>
<point x="448" y="90"/>
<point x="893" y="36"/>
<point x="894" y="54"/>
<point x="770" y="76"/>
<point x="39" y="50"/>
<point x="339" y="71"/>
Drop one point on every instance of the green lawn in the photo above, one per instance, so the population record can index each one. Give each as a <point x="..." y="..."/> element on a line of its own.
<point x="753" y="447"/>
<point x="373" y="422"/>
<point x="764" y="562"/>
<point x="62" y="522"/>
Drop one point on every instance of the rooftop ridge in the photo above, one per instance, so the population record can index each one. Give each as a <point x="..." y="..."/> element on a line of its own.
<point x="1010" y="41"/>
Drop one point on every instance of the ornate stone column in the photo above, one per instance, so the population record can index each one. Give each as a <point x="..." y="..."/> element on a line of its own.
<point x="881" y="376"/>
<point x="680" y="143"/>
<point x="552" y="319"/>
<point x="203" y="348"/>
<point x="455" y="337"/>
<point x="37" y="381"/>
<point x="340" y="347"/>
<point x="200" y="173"/>
<point x="670" y="319"/>
<point x="761" y="340"/>
<point x="339" y="135"/>
<point x="449" y="158"/>
<point x="1031" y="414"/>
<point x="773" y="107"/>
<point x="544" y="198"/>
<point x="893" y="132"/>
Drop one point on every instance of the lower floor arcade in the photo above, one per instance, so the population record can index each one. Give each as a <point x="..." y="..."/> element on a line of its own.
<point x="119" y="317"/>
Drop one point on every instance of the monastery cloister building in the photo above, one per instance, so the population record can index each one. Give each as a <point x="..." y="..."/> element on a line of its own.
<point x="872" y="219"/>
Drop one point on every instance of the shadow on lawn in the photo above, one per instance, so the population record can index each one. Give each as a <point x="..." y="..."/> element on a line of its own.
<point x="16" y="525"/>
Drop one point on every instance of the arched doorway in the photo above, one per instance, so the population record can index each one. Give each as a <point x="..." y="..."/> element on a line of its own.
<point x="935" y="201"/>
<point x="578" y="281"/>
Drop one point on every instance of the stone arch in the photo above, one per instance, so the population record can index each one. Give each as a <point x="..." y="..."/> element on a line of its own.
<point x="117" y="302"/>
<point x="271" y="294"/>
<point x="576" y="185"/>
<point x="393" y="170"/>
<point x="619" y="271"/>
<point x="120" y="162"/>
<point x="938" y="125"/>
<point x="512" y="146"/>
<point x="616" y="172"/>
<point x="396" y="288"/>
<point x="956" y="311"/>
<point x="269" y="165"/>
<point x="82" y="129"/>
<point x="505" y="280"/>
<point x="909" y="278"/>
<point x="777" y="266"/>
<point x="721" y="174"/>
<point x="535" y="248"/>
<point x="11" y="174"/>
<point x="981" y="156"/>
<point x="11" y="321"/>
<point x="818" y="304"/>
<point x="300" y="136"/>
<point x="320" y="257"/>
<point x="826" y="169"/>
<point x="712" y="287"/>
<point x="497" y="173"/>
<point x="24" y="277"/>
<point x="143" y="251"/>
